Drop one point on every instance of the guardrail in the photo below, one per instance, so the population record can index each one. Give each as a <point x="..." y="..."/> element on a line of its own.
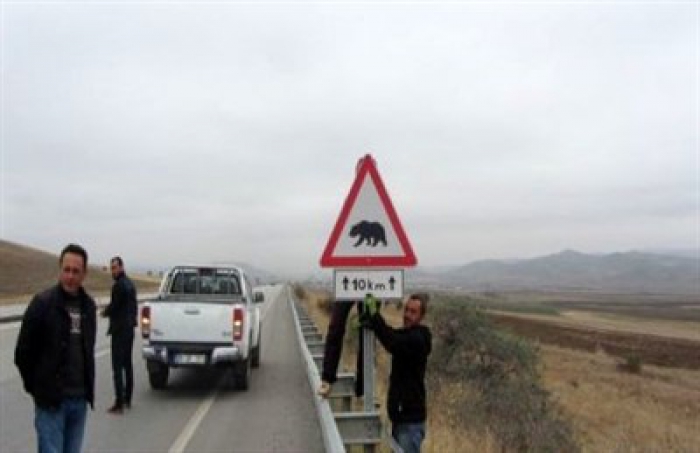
<point x="343" y="428"/>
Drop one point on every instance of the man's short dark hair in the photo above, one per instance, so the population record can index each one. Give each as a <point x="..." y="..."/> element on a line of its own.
<point x="423" y="298"/>
<point x="119" y="261"/>
<point x="75" y="249"/>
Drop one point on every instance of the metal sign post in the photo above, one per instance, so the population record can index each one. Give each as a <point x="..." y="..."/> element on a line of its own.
<point x="369" y="249"/>
<point x="368" y="369"/>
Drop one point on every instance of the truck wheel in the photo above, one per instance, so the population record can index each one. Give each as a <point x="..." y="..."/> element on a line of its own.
<point x="158" y="376"/>
<point x="255" y="361"/>
<point x="242" y="374"/>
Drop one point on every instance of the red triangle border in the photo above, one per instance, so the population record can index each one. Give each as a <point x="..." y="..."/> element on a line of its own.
<point x="367" y="167"/>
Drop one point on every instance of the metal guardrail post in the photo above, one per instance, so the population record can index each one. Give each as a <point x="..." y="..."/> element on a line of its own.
<point x="332" y="440"/>
<point x="359" y="428"/>
<point x="345" y="428"/>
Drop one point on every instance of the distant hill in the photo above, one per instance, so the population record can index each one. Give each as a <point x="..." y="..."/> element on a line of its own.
<point x="25" y="270"/>
<point x="625" y="272"/>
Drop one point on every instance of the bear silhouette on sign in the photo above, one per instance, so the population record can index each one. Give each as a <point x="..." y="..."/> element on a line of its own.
<point x="370" y="232"/>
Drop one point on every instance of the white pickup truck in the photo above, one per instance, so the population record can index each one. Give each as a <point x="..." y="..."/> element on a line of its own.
<point x="202" y="316"/>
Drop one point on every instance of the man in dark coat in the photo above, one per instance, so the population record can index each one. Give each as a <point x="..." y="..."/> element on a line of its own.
<point x="409" y="348"/>
<point x="334" y="346"/>
<point x="122" y="313"/>
<point x="55" y="355"/>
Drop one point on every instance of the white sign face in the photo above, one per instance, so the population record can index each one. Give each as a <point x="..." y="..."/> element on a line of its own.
<point x="355" y="284"/>
<point x="368" y="233"/>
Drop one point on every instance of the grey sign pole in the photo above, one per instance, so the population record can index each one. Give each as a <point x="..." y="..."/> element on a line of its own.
<point x="368" y="375"/>
<point x="368" y="369"/>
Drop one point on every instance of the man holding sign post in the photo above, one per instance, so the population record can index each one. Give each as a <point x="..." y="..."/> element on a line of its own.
<point x="369" y="249"/>
<point x="409" y="348"/>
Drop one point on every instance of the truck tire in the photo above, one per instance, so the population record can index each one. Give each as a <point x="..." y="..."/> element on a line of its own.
<point x="242" y="374"/>
<point x="158" y="376"/>
<point x="255" y="361"/>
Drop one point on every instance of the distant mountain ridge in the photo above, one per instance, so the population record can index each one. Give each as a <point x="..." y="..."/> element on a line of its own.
<point x="569" y="269"/>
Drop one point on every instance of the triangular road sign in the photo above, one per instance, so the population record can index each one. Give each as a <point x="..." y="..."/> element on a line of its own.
<point x="368" y="233"/>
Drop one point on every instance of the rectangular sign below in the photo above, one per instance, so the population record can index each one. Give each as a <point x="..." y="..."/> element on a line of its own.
<point x="356" y="284"/>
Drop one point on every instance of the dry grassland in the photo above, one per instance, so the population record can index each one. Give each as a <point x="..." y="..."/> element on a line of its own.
<point x="689" y="330"/>
<point x="25" y="271"/>
<point x="657" y="410"/>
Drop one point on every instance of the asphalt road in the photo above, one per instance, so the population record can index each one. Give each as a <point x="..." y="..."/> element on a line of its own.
<point x="198" y="412"/>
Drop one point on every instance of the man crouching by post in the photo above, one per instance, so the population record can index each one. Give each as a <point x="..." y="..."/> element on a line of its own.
<point x="55" y="355"/>
<point x="409" y="348"/>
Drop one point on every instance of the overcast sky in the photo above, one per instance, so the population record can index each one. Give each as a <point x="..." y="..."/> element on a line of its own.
<point x="191" y="132"/>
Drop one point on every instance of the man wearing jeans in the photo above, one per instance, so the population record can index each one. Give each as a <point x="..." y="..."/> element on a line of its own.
<point x="409" y="348"/>
<point x="55" y="355"/>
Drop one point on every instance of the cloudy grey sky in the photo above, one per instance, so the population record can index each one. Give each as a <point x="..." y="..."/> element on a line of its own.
<point x="181" y="132"/>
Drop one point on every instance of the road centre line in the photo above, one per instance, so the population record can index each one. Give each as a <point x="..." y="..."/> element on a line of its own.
<point x="191" y="427"/>
<point x="10" y="326"/>
<point x="98" y="354"/>
<point x="186" y="435"/>
<point x="267" y="309"/>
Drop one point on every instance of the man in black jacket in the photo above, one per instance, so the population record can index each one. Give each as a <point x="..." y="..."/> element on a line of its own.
<point x="55" y="354"/>
<point x="334" y="346"/>
<point x="409" y="348"/>
<point x="122" y="312"/>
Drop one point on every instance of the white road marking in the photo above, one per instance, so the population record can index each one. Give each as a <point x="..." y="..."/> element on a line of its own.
<point x="98" y="354"/>
<point x="10" y="325"/>
<point x="268" y="307"/>
<point x="186" y="435"/>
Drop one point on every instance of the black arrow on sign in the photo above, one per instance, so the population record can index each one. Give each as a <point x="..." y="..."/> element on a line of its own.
<point x="392" y="280"/>
<point x="345" y="283"/>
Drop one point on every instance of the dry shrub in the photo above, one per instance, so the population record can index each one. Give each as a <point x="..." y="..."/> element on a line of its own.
<point x="506" y="397"/>
<point x="324" y="302"/>
<point x="299" y="291"/>
<point x="632" y="364"/>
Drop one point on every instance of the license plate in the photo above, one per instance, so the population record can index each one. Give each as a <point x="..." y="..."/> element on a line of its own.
<point x="189" y="359"/>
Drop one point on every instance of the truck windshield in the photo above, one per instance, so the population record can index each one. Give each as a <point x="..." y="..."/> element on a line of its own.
<point x="205" y="281"/>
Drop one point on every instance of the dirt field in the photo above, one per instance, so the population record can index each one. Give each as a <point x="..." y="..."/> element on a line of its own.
<point x="652" y="307"/>
<point x="651" y="349"/>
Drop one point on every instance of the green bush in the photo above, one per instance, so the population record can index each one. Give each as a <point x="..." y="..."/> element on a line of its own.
<point x="299" y="292"/>
<point x="502" y="371"/>
<point x="632" y="364"/>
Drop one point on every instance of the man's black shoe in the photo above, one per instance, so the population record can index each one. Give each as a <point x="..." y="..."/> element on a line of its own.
<point x="117" y="409"/>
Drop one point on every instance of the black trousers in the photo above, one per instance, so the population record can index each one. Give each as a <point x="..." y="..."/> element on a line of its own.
<point x="122" y="366"/>
<point x="334" y="345"/>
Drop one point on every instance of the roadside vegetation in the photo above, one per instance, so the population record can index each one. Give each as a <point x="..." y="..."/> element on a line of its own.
<point x="502" y="393"/>
<point x="492" y="301"/>
<point x="493" y="391"/>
